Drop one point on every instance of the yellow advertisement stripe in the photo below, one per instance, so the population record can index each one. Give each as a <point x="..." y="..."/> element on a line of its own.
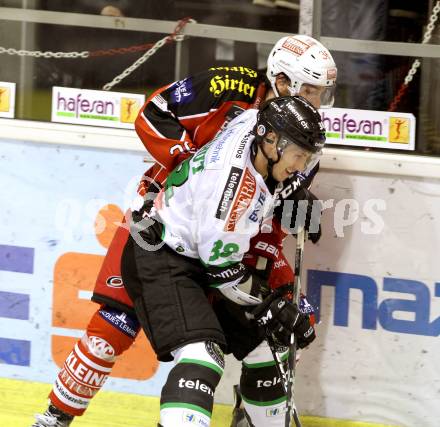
<point x="20" y="400"/>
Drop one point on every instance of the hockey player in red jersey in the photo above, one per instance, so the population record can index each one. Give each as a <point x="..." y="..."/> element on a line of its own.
<point x="176" y="120"/>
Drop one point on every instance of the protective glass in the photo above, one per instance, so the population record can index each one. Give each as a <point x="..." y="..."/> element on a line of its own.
<point x="319" y="96"/>
<point x="311" y="159"/>
<point x="328" y="97"/>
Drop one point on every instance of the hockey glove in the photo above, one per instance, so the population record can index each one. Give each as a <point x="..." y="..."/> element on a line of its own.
<point x="299" y="208"/>
<point x="306" y="308"/>
<point x="296" y="182"/>
<point x="280" y="318"/>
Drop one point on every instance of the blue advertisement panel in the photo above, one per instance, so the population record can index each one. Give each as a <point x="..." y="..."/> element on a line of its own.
<point x="59" y="204"/>
<point x="374" y="280"/>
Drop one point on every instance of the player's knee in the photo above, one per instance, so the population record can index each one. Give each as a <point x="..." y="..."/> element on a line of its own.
<point x="206" y="353"/>
<point x="110" y="332"/>
<point x="198" y="369"/>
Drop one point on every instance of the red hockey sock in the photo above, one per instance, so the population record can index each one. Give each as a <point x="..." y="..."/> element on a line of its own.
<point x="88" y="365"/>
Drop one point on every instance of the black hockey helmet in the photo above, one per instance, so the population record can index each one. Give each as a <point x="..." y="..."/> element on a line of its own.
<point x="295" y="121"/>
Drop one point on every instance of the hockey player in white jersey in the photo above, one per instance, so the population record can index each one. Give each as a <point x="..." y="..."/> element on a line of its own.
<point x="296" y="65"/>
<point x="182" y="263"/>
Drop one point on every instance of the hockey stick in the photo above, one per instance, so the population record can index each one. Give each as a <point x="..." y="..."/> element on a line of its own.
<point x="288" y="378"/>
<point x="300" y="239"/>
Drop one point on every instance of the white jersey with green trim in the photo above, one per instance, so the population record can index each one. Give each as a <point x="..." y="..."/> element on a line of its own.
<point x="214" y="202"/>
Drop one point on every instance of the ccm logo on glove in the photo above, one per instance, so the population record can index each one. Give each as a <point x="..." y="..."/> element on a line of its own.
<point x="281" y="319"/>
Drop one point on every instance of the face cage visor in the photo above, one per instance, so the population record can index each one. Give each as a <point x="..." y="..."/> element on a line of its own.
<point x="312" y="158"/>
<point x="325" y="94"/>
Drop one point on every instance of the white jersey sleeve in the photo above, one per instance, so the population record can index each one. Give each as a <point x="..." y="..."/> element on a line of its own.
<point x="213" y="203"/>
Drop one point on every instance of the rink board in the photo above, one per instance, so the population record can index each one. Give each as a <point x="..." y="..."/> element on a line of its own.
<point x="375" y="356"/>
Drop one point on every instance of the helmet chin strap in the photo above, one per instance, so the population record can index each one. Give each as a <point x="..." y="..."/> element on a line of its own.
<point x="270" y="163"/>
<point x="290" y="88"/>
<point x="275" y="87"/>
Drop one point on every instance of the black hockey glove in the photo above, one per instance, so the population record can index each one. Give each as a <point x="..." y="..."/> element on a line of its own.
<point x="299" y="207"/>
<point x="281" y="318"/>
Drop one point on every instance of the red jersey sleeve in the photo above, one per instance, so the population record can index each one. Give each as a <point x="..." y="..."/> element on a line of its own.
<point x="160" y="131"/>
<point x="186" y="114"/>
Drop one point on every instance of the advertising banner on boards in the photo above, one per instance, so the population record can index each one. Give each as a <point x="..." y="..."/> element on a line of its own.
<point x="95" y="107"/>
<point x="373" y="277"/>
<point x="63" y="205"/>
<point x="370" y="129"/>
<point x="7" y="100"/>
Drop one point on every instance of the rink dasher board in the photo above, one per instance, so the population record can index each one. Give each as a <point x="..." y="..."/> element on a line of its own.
<point x="370" y="360"/>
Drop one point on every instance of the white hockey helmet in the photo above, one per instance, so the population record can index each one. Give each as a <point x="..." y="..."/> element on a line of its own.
<point x="303" y="60"/>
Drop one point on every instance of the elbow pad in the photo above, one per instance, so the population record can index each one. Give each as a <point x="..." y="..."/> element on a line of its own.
<point x="234" y="282"/>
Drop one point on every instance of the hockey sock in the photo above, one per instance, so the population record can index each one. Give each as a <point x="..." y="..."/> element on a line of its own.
<point x="109" y="333"/>
<point x="261" y="388"/>
<point x="187" y="397"/>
